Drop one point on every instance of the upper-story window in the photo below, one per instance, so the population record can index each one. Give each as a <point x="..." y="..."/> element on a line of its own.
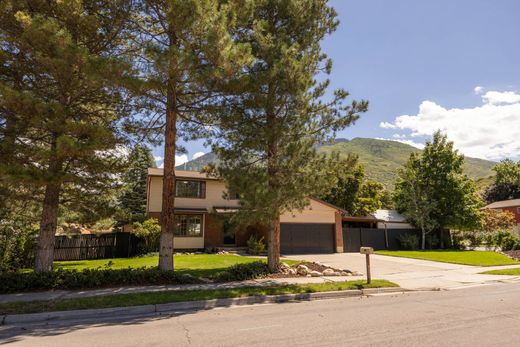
<point x="190" y="189"/>
<point x="233" y="195"/>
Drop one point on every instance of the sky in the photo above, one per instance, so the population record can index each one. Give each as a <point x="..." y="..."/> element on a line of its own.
<point x="427" y="65"/>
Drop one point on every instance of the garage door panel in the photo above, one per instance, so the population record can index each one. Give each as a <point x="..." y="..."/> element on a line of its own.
<point x="306" y="238"/>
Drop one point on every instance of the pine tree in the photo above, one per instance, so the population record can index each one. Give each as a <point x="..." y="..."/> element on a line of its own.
<point x="133" y="197"/>
<point x="274" y="116"/>
<point x="187" y="50"/>
<point x="61" y="101"/>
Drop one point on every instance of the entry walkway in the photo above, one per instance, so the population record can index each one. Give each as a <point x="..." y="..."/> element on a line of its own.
<point x="414" y="273"/>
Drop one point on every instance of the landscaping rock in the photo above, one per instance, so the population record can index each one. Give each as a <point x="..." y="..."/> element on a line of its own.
<point x="291" y="271"/>
<point x="316" y="274"/>
<point x="328" y="272"/>
<point x="337" y="273"/>
<point x="356" y="273"/>
<point x="345" y="273"/>
<point x="302" y="270"/>
<point x="284" y="266"/>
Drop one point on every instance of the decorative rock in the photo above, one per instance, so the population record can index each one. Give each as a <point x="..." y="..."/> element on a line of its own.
<point x="328" y="272"/>
<point x="356" y="273"/>
<point x="302" y="270"/>
<point x="337" y="273"/>
<point x="291" y="271"/>
<point x="315" y="274"/>
<point x="284" y="266"/>
<point x="345" y="273"/>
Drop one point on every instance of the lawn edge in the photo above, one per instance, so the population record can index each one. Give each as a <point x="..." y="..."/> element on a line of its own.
<point x="159" y="309"/>
<point x="445" y="262"/>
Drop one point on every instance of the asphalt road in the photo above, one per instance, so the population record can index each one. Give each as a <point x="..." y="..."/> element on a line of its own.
<point x="479" y="316"/>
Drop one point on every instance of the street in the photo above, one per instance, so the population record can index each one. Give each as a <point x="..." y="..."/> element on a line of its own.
<point x="483" y="316"/>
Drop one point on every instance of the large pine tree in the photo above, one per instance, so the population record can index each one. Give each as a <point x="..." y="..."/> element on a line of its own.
<point x="275" y="115"/>
<point x="60" y="101"/>
<point x="188" y="49"/>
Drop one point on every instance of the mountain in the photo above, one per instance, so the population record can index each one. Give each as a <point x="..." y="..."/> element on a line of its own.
<point x="381" y="159"/>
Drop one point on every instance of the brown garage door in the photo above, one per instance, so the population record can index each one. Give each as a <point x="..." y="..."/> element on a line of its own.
<point x="297" y="238"/>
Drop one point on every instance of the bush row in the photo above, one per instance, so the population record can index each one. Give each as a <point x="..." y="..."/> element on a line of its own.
<point x="16" y="281"/>
<point x="505" y="240"/>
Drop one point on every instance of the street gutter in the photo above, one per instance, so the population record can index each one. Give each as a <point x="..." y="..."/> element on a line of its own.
<point x="160" y="309"/>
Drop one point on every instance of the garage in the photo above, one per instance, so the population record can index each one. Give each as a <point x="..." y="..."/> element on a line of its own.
<point x="301" y="238"/>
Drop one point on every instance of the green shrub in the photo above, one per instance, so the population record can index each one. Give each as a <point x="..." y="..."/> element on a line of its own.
<point x="242" y="272"/>
<point x="507" y="241"/>
<point x="256" y="246"/>
<point x="409" y="241"/>
<point x="17" y="244"/>
<point x="14" y="281"/>
<point x="457" y="241"/>
<point x="149" y="233"/>
<point x="432" y="241"/>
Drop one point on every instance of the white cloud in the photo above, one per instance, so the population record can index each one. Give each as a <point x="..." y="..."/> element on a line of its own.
<point x="478" y="90"/>
<point x="490" y="131"/>
<point x="401" y="140"/>
<point x="179" y="160"/>
<point x="497" y="98"/>
<point x="197" y="155"/>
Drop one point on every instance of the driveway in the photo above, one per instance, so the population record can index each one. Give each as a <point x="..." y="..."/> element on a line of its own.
<point x="413" y="273"/>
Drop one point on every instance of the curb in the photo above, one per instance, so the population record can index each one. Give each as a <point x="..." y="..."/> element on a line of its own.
<point x="189" y="305"/>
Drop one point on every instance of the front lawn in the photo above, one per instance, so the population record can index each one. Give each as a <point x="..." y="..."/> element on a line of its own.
<point x="124" y="300"/>
<point x="198" y="265"/>
<point x="475" y="258"/>
<point x="510" y="272"/>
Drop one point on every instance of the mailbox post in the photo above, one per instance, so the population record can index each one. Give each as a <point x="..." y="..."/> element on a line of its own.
<point x="367" y="251"/>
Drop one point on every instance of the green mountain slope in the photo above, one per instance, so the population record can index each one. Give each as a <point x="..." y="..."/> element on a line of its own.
<point x="381" y="159"/>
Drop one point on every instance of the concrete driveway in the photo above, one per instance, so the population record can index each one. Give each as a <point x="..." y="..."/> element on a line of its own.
<point x="413" y="273"/>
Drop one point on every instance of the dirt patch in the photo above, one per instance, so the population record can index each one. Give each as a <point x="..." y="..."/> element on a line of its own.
<point x="513" y="254"/>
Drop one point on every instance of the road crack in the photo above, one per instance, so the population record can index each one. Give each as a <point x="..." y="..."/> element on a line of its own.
<point x="186" y="330"/>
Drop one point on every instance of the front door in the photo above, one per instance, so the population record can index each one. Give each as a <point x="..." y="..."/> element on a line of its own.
<point x="229" y="234"/>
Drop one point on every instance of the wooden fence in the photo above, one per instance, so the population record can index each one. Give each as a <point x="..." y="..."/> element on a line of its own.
<point x="114" y="245"/>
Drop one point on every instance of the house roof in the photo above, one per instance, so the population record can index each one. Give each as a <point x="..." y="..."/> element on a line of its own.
<point x="181" y="174"/>
<point x="504" y="203"/>
<point x="390" y="216"/>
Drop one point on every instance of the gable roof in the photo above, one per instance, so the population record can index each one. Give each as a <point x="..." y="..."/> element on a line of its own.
<point x="504" y="203"/>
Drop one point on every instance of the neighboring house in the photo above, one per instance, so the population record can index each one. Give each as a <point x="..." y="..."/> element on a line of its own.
<point x="391" y="219"/>
<point x="201" y="209"/>
<point x="512" y="206"/>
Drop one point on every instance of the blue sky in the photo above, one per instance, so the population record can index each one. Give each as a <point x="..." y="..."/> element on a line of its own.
<point x="427" y="65"/>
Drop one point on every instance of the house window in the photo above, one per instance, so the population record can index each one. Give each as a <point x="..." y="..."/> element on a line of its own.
<point x="190" y="189"/>
<point x="233" y="195"/>
<point x="188" y="225"/>
<point x="518" y="210"/>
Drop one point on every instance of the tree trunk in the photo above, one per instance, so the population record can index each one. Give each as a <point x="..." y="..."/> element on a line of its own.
<point x="168" y="192"/>
<point x="423" y="239"/>
<point x="48" y="225"/>
<point x="273" y="246"/>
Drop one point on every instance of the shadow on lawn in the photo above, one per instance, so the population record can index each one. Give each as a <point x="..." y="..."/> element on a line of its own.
<point x="17" y="332"/>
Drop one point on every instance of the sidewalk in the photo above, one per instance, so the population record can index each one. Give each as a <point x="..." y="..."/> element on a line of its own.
<point x="69" y="294"/>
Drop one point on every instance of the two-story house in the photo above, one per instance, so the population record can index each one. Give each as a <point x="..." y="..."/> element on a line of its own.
<point x="202" y="204"/>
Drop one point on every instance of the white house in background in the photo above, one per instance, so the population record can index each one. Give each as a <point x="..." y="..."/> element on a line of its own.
<point x="391" y="219"/>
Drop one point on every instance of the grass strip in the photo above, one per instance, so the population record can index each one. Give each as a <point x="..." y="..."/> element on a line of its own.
<point x="125" y="300"/>
<point x="474" y="258"/>
<point x="509" y="272"/>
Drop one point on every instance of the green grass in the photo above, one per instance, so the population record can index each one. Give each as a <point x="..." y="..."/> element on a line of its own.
<point x="510" y="272"/>
<point x="475" y="258"/>
<point x="198" y="265"/>
<point x="124" y="300"/>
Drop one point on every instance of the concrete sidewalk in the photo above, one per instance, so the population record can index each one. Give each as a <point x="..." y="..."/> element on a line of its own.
<point x="69" y="294"/>
<point x="415" y="274"/>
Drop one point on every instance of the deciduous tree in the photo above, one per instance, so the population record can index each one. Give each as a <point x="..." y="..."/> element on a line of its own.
<point x="434" y="193"/>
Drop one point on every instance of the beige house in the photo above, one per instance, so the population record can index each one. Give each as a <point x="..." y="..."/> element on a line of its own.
<point x="203" y="203"/>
